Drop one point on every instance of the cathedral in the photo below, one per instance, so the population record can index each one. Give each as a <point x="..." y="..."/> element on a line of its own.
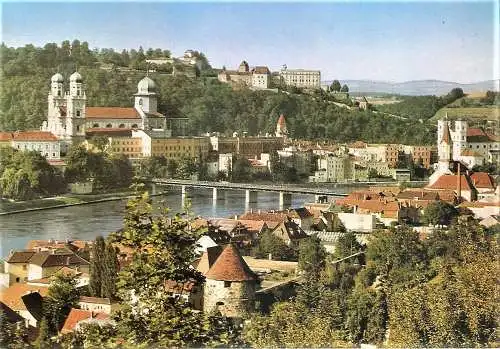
<point x="70" y="119"/>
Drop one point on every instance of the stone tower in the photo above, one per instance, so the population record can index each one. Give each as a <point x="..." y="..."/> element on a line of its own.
<point x="230" y="285"/>
<point x="281" y="130"/>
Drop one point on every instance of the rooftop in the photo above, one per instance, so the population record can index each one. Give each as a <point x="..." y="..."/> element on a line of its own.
<point x="230" y="266"/>
<point x="111" y="113"/>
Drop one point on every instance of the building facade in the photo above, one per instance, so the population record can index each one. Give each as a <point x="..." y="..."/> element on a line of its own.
<point x="301" y="78"/>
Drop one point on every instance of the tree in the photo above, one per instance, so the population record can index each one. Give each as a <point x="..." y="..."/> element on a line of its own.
<point x="43" y="339"/>
<point x="103" y="269"/>
<point x="96" y="266"/>
<point x="164" y="250"/>
<point x="100" y="142"/>
<point x="335" y="86"/>
<point x="439" y="213"/>
<point x="344" y="88"/>
<point x="109" y="272"/>
<point x="241" y="169"/>
<point x="312" y="255"/>
<point x="62" y="296"/>
<point x="270" y="244"/>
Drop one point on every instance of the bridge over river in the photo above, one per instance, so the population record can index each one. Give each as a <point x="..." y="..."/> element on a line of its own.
<point x="251" y="189"/>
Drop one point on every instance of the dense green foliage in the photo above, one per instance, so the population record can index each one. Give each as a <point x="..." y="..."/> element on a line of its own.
<point x="107" y="171"/>
<point x="26" y="175"/>
<point x="420" y="107"/>
<point x="269" y="244"/>
<point x="210" y="106"/>
<point x="439" y="213"/>
<point x="62" y="296"/>
<point x="439" y="292"/>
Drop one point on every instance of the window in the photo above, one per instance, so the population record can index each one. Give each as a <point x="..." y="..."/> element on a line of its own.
<point x="109" y="125"/>
<point x="25" y="267"/>
<point x="95" y="125"/>
<point x="122" y="126"/>
<point x="78" y="113"/>
<point x="78" y="128"/>
<point x="17" y="279"/>
<point x="53" y="154"/>
<point x="134" y="126"/>
<point x="227" y="284"/>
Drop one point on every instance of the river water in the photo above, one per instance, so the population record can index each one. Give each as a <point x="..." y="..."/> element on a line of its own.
<point x="85" y="222"/>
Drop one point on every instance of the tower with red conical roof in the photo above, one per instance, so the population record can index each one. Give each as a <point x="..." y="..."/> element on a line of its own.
<point x="281" y="130"/>
<point x="230" y="285"/>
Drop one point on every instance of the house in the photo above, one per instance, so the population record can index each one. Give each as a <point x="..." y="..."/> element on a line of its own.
<point x="451" y="182"/>
<point x="12" y="297"/>
<point x="78" y="317"/>
<point x="95" y="304"/>
<point x="491" y="221"/>
<point x="190" y="291"/>
<point x="203" y="243"/>
<point x="302" y="216"/>
<point x="16" y="265"/>
<point x="484" y="185"/>
<point x="47" y="263"/>
<point x="82" y="279"/>
<point x="483" y="210"/>
<point x="329" y="238"/>
<point x="290" y="232"/>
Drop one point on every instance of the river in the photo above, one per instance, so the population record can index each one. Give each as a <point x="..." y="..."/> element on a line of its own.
<point x="85" y="222"/>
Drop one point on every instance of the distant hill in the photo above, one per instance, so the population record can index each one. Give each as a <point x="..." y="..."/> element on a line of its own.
<point x="416" y="88"/>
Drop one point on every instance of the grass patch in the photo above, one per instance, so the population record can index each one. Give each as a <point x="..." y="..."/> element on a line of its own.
<point x="471" y="113"/>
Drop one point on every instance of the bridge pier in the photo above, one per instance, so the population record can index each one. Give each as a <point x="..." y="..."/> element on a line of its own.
<point x="285" y="200"/>
<point x="183" y="196"/>
<point x="250" y="196"/>
<point x="215" y="196"/>
<point x="320" y="199"/>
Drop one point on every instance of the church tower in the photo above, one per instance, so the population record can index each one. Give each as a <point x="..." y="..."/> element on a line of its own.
<point x="459" y="138"/>
<point x="75" y="107"/>
<point x="56" y="107"/>
<point x="146" y="104"/>
<point x="445" y="145"/>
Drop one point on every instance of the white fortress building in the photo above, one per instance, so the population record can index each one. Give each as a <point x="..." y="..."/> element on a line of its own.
<point x="456" y="141"/>
<point x="69" y="118"/>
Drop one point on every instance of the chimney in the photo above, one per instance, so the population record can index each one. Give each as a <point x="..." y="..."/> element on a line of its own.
<point x="459" y="184"/>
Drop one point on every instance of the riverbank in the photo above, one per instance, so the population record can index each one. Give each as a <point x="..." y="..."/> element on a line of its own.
<point x="13" y="207"/>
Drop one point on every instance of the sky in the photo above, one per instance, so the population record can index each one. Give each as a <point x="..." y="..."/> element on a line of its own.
<point x="388" y="41"/>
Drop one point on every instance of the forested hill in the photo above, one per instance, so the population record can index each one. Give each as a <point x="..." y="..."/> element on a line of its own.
<point x="209" y="105"/>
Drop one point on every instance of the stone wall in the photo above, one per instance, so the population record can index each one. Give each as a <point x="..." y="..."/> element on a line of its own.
<point x="231" y="298"/>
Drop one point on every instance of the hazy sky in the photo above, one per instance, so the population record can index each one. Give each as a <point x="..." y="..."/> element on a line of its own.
<point x="391" y="41"/>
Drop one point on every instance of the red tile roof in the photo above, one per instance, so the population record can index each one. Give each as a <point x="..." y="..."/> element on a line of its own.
<point x="5" y="136"/>
<point x="479" y="135"/>
<point x="449" y="182"/>
<point x="230" y="266"/>
<point x="34" y="136"/>
<point x="482" y="180"/>
<point x="111" y="113"/>
<point x="265" y="216"/>
<point x="11" y="296"/>
<point x="20" y="256"/>
<point x="77" y="315"/>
